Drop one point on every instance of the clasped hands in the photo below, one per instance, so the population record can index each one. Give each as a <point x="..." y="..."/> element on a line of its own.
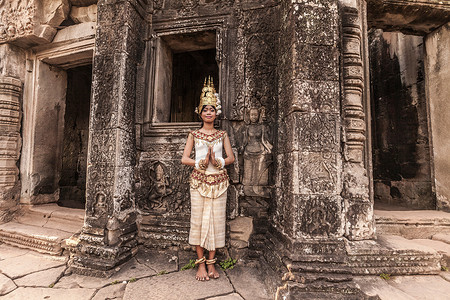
<point x="203" y="164"/>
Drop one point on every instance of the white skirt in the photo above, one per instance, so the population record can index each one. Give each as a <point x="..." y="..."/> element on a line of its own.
<point x="208" y="217"/>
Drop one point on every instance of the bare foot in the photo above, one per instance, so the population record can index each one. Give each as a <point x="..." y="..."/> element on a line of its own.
<point x="201" y="273"/>
<point x="212" y="272"/>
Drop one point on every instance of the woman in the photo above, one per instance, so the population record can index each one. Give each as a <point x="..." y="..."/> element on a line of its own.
<point x="208" y="183"/>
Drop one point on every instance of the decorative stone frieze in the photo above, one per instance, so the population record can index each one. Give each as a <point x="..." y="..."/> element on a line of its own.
<point x="10" y="145"/>
<point x="31" y="22"/>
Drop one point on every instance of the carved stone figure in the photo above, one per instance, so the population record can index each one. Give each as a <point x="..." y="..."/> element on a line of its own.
<point x="257" y="150"/>
<point x="160" y="189"/>
<point x="100" y="204"/>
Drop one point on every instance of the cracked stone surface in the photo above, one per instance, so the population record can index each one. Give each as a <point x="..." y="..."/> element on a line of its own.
<point x="233" y="296"/>
<point x="171" y="286"/>
<point x="28" y="263"/>
<point x="48" y="293"/>
<point x="248" y="286"/>
<point x="6" y="285"/>
<point x="115" y="291"/>
<point x="158" y="260"/>
<point x="10" y="252"/>
<point x="42" y="278"/>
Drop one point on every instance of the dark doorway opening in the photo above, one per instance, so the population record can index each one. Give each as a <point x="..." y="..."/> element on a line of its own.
<point x="189" y="72"/>
<point x="76" y="133"/>
<point x="401" y="150"/>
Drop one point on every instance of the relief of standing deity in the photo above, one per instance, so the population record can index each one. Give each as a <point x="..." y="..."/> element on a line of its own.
<point x="257" y="150"/>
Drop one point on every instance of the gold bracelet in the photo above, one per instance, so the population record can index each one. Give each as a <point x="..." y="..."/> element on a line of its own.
<point x="218" y="164"/>
<point x="202" y="164"/>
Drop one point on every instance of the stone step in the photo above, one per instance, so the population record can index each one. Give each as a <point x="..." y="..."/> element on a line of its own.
<point x="439" y="246"/>
<point x="43" y="228"/>
<point x="41" y="239"/>
<point x="417" y="224"/>
<point x="391" y="254"/>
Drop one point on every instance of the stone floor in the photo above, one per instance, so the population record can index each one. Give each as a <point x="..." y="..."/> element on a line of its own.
<point x="151" y="274"/>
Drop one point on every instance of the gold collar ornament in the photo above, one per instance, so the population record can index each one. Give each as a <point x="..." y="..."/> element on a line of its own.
<point x="209" y="97"/>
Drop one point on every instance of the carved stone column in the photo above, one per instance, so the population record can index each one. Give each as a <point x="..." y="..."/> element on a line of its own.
<point x="358" y="207"/>
<point x="317" y="181"/>
<point x="308" y="178"/>
<point x="108" y="236"/>
<point x="308" y="216"/>
<point x="10" y="144"/>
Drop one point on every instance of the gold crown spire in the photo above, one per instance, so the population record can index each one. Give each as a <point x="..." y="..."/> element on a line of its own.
<point x="209" y="96"/>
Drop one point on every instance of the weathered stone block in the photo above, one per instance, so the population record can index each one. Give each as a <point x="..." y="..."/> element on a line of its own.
<point x="233" y="194"/>
<point x="124" y="191"/>
<point x="84" y="14"/>
<point x="78" y="31"/>
<point x="262" y="20"/>
<point x="316" y="96"/>
<point x="360" y="223"/>
<point x="116" y="12"/>
<point x="241" y="229"/>
<point x="31" y="22"/>
<point x="319" y="132"/>
<point x="115" y="89"/>
<point x="317" y="25"/>
<point x="55" y="12"/>
<point x="319" y="173"/>
<point x="163" y="186"/>
<point x="318" y="216"/>
<point x="316" y="62"/>
<point x="285" y="211"/>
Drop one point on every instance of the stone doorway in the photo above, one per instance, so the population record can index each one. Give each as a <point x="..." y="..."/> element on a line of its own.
<point x="72" y="183"/>
<point x="402" y="170"/>
<point x="55" y="125"/>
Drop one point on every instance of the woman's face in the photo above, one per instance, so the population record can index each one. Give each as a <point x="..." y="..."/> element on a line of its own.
<point x="208" y="114"/>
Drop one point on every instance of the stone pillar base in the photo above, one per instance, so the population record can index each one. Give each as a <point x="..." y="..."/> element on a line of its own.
<point x="92" y="256"/>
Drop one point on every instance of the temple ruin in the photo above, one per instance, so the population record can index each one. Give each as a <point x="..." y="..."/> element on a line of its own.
<point x="333" y="108"/>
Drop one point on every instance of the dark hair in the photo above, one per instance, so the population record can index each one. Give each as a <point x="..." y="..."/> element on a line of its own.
<point x="203" y="107"/>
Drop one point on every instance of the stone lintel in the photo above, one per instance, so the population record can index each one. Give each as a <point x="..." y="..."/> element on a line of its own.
<point x="409" y="17"/>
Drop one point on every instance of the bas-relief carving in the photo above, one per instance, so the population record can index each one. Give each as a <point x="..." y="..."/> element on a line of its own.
<point x="182" y="6"/>
<point x="31" y="22"/>
<point x="163" y="187"/>
<point x="318" y="173"/>
<point x="257" y="150"/>
<point x="16" y="18"/>
<point x="319" y="216"/>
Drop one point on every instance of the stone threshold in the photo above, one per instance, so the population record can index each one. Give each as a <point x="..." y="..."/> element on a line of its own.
<point x="43" y="228"/>
<point x="412" y="224"/>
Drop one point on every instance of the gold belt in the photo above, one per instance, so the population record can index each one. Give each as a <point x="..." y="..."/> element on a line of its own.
<point x="210" y="179"/>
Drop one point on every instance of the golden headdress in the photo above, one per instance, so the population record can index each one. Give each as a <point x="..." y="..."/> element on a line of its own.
<point x="209" y="97"/>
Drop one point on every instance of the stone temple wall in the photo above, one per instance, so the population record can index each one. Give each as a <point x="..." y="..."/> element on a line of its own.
<point x="437" y="77"/>
<point x="247" y="35"/>
<point x="293" y="80"/>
